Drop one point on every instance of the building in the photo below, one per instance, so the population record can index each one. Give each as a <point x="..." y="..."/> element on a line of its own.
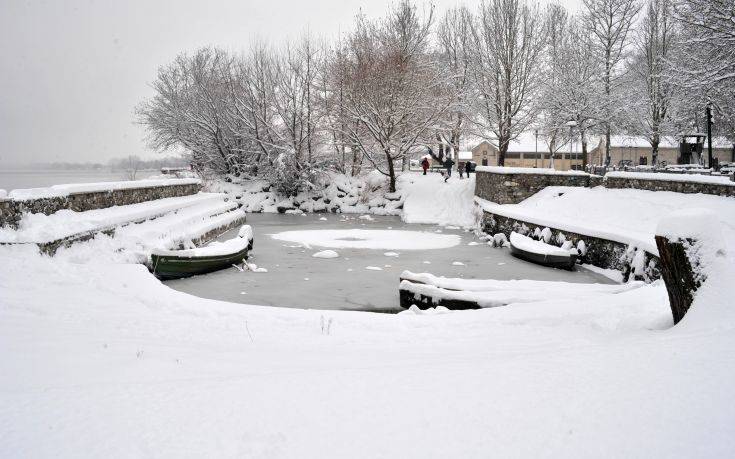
<point x="629" y="150"/>
<point x="632" y="148"/>
<point x="526" y="151"/>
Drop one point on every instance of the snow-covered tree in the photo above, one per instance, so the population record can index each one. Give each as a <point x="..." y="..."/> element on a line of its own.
<point x="396" y="94"/>
<point x="610" y="22"/>
<point x="455" y="38"/>
<point x="506" y="70"/>
<point x="650" y="92"/>
<point x="574" y="91"/>
<point x="703" y="68"/>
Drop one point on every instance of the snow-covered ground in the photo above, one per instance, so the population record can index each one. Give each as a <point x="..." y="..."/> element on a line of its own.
<point x="106" y="361"/>
<point x="102" y="360"/>
<point x="625" y="215"/>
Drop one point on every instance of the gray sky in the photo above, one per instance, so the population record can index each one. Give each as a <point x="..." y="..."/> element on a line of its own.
<point x="72" y="71"/>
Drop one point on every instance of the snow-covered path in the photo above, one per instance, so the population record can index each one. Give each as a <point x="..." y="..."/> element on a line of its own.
<point x="429" y="200"/>
<point x="103" y="360"/>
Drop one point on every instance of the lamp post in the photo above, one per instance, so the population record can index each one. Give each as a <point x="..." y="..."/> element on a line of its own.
<point x="709" y="135"/>
<point x="571" y="124"/>
<point x="536" y="157"/>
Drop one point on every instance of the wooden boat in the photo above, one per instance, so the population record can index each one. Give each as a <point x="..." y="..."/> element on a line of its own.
<point x="175" y="264"/>
<point x="541" y="253"/>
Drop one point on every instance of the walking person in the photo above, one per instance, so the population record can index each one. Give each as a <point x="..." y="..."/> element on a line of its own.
<point x="425" y="164"/>
<point x="467" y="168"/>
<point x="460" y="169"/>
<point x="448" y="163"/>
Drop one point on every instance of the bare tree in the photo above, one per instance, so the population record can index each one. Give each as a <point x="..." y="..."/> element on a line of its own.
<point x="703" y="62"/>
<point x="396" y="94"/>
<point x="190" y="109"/>
<point x="574" y="92"/>
<point x="610" y="22"/>
<point x="455" y="40"/>
<point x="649" y="107"/>
<point x="132" y="164"/>
<point x="507" y="46"/>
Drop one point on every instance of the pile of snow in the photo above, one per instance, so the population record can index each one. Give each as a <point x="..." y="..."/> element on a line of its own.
<point x="246" y="232"/>
<point x="326" y="254"/>
<point x="23" y="194"/>
<point x="527" y="244"/>
<point x="370" y="239"/>
<point x="215" y="248"/>
<point x="429" y="200"/>
<point x="494" y="293"/>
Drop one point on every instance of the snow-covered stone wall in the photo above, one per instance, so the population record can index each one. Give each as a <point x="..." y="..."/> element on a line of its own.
<point x="715" y="185"/>
<point x="12" y="209"/>
<point x="508" y="185"/>
<point x="600" y="252"/>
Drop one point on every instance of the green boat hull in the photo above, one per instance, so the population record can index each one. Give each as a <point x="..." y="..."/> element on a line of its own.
<point x="167" y="267"/>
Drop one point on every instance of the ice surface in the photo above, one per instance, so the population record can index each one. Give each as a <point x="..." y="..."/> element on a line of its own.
<point x="343" y="283"/>
<point x="370" y="239"/>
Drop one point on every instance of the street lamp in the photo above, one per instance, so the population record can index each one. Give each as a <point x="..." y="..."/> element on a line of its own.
<point x="536" y="157"/>
<point x="571" y="124"/>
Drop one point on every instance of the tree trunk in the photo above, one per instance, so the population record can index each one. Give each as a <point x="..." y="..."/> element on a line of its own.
<point x="678" y="275"/>
<point x="391" y="172"/>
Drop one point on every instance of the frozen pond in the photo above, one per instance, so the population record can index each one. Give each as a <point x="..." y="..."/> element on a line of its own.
<point x="352" y="281"/>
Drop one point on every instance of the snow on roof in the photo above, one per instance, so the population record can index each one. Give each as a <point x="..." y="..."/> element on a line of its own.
<point x="464" y="155"/>
<point x="631" y="141"/>
<point x="627" y="141"/>
<point x="526" y="143"/>
<point x="23" y="194"/>
<point x="527" y="170"/>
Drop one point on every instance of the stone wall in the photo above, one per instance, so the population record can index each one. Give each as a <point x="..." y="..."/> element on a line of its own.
<point x="600" y="252"/>
<point x="723" y="189"/>
<point x="11" y="210"/>
<point x="512" y="188"/>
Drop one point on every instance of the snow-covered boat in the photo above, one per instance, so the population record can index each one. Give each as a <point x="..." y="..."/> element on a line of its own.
<point x="542" y="253"/>
<point x="174" y="264"/>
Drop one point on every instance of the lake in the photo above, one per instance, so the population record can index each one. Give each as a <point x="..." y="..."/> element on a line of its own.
<point x="32" y="178"/>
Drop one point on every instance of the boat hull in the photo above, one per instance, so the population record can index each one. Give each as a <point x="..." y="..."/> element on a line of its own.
<point x="167" y="267"/>
<point x="552" y="261"/>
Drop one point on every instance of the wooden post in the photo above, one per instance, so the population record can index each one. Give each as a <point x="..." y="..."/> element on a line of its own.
<point x="678" y="274"/>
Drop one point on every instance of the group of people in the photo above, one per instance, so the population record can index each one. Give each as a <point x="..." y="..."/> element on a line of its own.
<point x="448" y="163"/>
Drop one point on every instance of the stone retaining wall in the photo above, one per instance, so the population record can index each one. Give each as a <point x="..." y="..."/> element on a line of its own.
<point x="512" y="188"/>
<point x="11" y="210"/>
<point x="600" y="252"/>
<point x="716" y="189"/>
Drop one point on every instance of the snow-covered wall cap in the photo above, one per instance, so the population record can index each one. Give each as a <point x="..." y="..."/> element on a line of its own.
<point x="527" y="170"/>
<point x="695" y="178"/>
<point x="696" y="223"/>
<point x="24" y="194"/>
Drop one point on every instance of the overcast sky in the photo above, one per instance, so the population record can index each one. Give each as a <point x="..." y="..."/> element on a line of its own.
<point x="72" y="71"/>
